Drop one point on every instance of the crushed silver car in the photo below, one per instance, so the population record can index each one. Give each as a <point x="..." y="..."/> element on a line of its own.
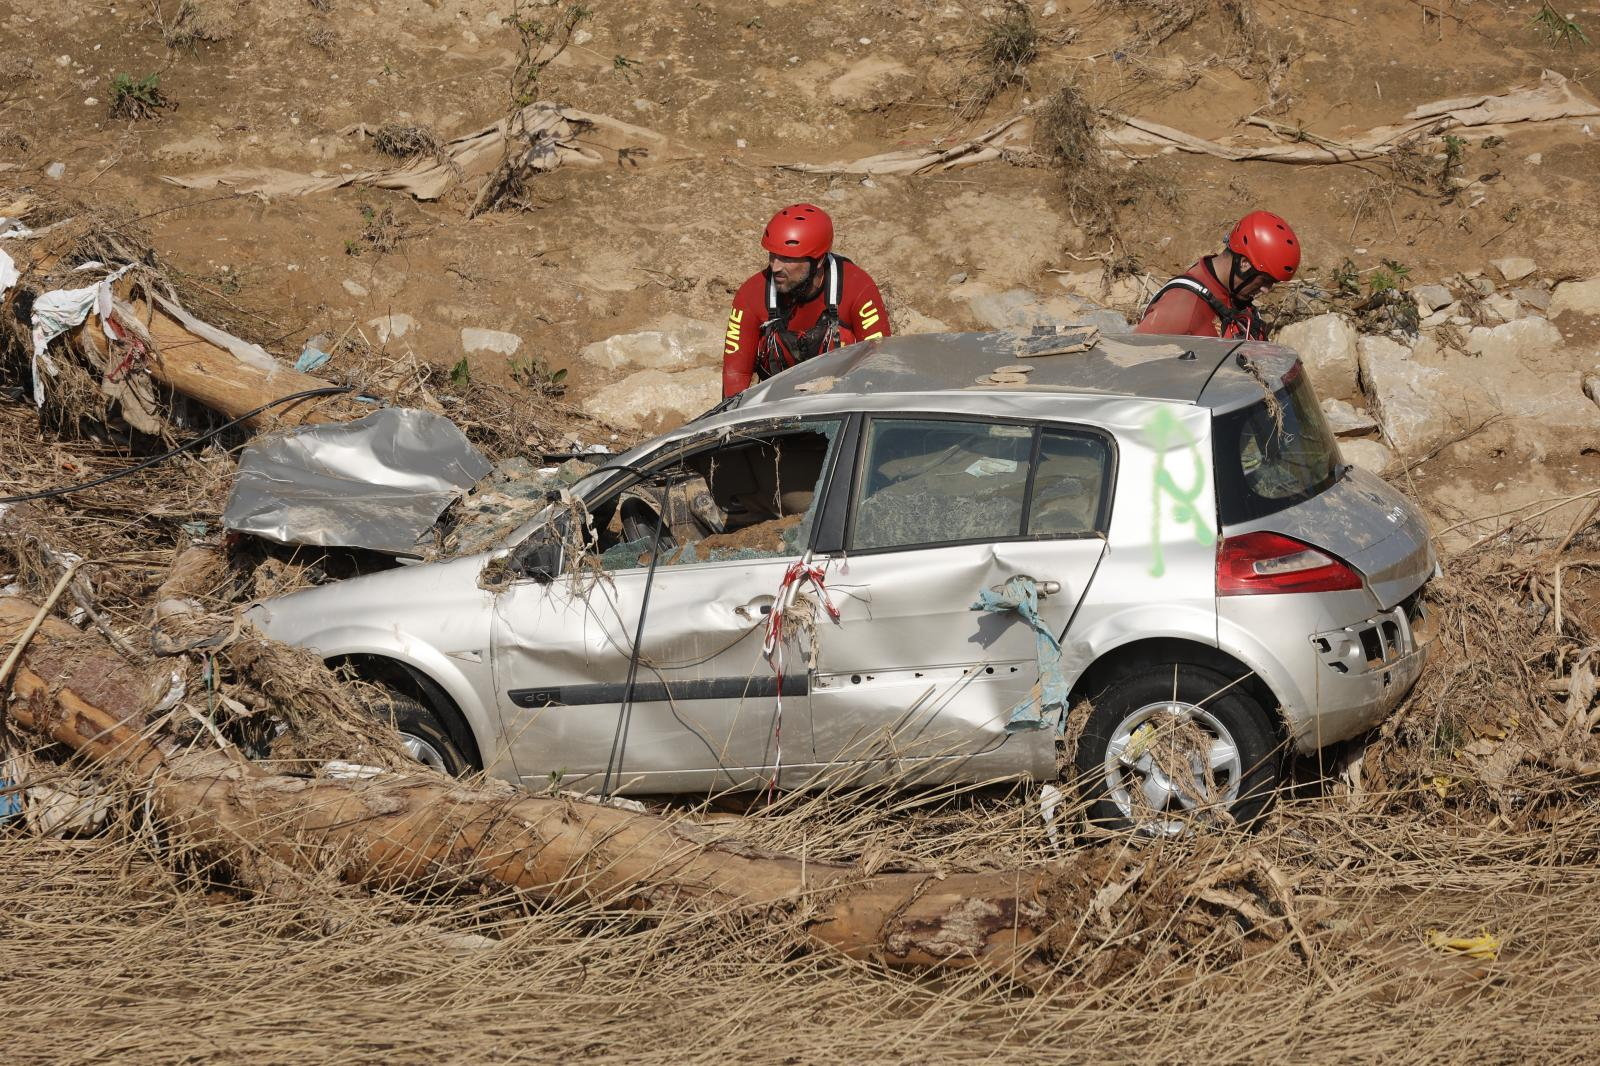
<point x="921" y="559"/>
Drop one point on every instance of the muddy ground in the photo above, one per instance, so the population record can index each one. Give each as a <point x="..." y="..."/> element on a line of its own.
<point x="123" y="953"/>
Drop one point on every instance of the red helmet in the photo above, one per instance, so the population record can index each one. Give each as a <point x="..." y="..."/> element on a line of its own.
<point x="800" y="231"/>
<point x="1267" y="243"/>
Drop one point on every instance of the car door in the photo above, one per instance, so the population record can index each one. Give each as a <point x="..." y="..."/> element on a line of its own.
<point x="706" y="710"/>
<point x="939" y="509"/>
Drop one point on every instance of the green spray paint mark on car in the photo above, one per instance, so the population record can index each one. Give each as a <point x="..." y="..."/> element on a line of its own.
<point x="1161" y="429"/>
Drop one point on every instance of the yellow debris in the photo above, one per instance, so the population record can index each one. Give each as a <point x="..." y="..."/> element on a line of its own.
<point x="1483" y="946"/>
<point x="1441" y="785"/>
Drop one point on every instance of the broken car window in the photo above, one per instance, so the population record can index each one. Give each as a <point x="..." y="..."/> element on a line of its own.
<point x="944" y="481"/>
<point x="752" y="495"/>
<point x="937" y="481"/>
<point x="1069" y="487"/>
<point x="1274" y="453"/>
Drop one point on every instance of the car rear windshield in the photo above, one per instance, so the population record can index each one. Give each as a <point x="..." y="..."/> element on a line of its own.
<point x="1273" y="454"/>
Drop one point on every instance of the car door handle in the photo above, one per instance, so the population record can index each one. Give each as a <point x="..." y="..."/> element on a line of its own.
<point x="761" y="606"/>
<point x="1044" y="588"/>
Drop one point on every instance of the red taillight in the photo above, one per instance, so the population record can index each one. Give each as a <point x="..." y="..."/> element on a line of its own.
<point x="1255" y="564"/>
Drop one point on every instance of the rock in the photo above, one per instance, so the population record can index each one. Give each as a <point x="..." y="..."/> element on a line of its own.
<point x="1525" y="338"/>
<point x="676" y="344"/>
<point x="354" y="288"/>
<point x="1504" y="308"/>
<point x="1346" y="419"/>
<point x="1022" y="309"/>
<point x="490" y="340"/>
<point x="1128" y="292"/>
<point x="1418" y="406"/>
<point x="1538" y="299"/>
<point x="872" y="83"/>
<point x="910" y="320"/>
<point x="1367" y="454"/>
<point x="1327" y="347"/>
<point x="55" y="171"/>
<point x="392" y="327"/>
<point x="1514" y="268"/>
<point x="1591" y="387"/>
<point x="1482" y="285"/>
<point x="655" y="399"/>
<point x="1437" y="319"/>
<point x="1579" y="297"/>
<point x="1431" y="298"/>
<point x="1534" y="159"/>
<point x="958" y="278"/>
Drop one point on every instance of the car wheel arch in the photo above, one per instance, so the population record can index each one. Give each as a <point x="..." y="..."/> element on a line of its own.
<point x="408" y="680"/>
<point x="1141" y="654"/>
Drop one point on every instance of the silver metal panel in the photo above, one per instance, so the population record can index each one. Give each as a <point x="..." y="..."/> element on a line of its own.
<point x="912" y="671"/>
<point x="379" y="482"/>
<point x="704" y="622"/>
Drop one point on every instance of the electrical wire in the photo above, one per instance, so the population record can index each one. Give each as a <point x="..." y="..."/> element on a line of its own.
<point x="65" y="490"/>
<point x="619" y="738"/>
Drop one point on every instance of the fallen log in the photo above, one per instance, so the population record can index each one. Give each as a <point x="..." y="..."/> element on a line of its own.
<point x="425" y="830"/>
<point x="188" y="363"/>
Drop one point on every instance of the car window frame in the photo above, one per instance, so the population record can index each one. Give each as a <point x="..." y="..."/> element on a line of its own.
<point x="679" y="450"/>
<point x="835" y="537"/>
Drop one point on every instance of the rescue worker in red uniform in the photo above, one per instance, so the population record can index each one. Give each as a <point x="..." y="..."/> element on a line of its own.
<point x="1262" y="251"/>
<point x="807" y="301"/>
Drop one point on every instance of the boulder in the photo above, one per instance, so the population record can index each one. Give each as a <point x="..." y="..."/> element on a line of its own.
<point x="1514" y="268"/>
<point x="910" y="320"/>
<point x="1579" y="297"/>
<point x="1367" y="454"/>
<point x="677" y="343"/>
<point x="1022" y="309"/>
<point x="1524" y="339"/>
<point x="489" y="340"/>
<point x="1327" y="347"/>
<point x="1431" y="298"/>
<point x="1132" y="293"/>
<point x="1501" y="308"/>
<point x="656" y="399"/>
<point x="1536" y="298"/>
<point x="1419" y="407"/>
<point x="1347" y="420"/>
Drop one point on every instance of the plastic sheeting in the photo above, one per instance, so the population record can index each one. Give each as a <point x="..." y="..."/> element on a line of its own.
<point x="1046" y="705"/>
<point x="380" y="482"/>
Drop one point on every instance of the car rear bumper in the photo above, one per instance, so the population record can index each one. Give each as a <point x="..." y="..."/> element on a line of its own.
<point x="1363" y="671"/>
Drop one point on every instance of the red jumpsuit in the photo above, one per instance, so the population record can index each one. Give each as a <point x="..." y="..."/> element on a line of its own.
<point x="1179" y="311"/>
<point x="862" y="316"/>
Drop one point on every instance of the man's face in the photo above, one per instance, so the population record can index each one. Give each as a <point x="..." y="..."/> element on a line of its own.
<point x="789" y="274"/>
<point x="1254" y="286"/>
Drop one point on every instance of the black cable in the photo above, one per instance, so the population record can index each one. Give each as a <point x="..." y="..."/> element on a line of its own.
<point x="185" y="446"/>
<point x="619" y="738"/>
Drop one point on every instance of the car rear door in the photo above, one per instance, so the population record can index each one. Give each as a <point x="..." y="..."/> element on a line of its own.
<point x="937" y="510"/>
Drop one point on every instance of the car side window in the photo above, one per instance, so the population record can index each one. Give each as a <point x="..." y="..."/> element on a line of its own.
<point x="1069" y="485"/>
<point x="938" y="481"/>
<point x="753" y="495"/>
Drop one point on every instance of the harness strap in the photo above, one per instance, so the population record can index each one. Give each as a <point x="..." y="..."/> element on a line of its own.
<point x="1227" y="317"/>
<point x="781" y="348"/>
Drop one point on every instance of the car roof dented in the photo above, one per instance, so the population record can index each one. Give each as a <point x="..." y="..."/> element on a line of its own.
<point x="1082" y="360"/>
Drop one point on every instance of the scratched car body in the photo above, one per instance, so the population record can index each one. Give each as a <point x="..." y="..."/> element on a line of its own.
<point x="1224" y="589"/>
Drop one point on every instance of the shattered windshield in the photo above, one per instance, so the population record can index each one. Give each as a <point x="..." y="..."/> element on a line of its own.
<point x="1274" y="453"/>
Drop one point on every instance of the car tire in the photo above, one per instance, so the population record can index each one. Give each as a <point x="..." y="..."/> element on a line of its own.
<point x="1143" y="721"/>
<point x="425" y="737"/>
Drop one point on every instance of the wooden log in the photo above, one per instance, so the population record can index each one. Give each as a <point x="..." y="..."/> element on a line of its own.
<point x="214" y="376"/>
<point x="427" y="830"/>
